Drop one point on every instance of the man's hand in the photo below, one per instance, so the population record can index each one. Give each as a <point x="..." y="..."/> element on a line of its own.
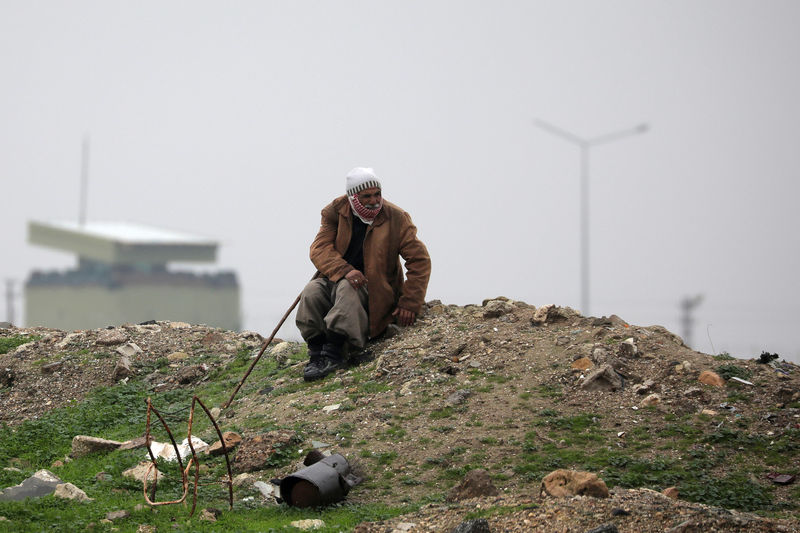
<point x="356" y="278"/>
<point x="404" y="316"/>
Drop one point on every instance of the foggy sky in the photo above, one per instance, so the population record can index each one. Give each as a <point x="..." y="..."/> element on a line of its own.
<point x="239" y="120"/>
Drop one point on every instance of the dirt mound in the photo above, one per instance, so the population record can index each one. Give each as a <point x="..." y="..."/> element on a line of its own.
<point x="516" y="390"/>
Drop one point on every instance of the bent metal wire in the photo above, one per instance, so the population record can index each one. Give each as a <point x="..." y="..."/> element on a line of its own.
<point x="192" y="462"/>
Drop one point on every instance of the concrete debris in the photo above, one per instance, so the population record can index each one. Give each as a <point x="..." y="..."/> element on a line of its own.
<point x="123" y="369"/>
<point x="628" y="348"/>
<point x="111" y="337"/>
<point x="68" y="491"/>
<point x="268" y="490"/>
<point x="42" y="483"/>
<point x="117" y="515"/>
<point x="84" y="445"/>
<point x="311" y="523"/>
<point x="166" y="451"/>
<point x="604" y="378"/>
<point x="128" y="350"/>
<point x="645" y="387"/>
<point x="139" y="472"/>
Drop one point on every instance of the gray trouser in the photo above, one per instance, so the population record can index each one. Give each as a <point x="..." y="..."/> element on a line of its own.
<point x="337" y="307"/>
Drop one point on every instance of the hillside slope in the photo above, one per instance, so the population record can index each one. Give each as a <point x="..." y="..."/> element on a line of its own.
<point x="516" y="390"/>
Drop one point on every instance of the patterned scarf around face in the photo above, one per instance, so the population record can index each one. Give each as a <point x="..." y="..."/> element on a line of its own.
<point x="366" y="215"/>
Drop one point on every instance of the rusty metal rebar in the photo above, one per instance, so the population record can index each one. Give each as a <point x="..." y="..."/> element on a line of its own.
<point x="194" y="461"/>
<point x="154" y="465"/>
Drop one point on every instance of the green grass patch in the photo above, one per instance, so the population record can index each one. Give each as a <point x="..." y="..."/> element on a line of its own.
<point x="10" y="343"/>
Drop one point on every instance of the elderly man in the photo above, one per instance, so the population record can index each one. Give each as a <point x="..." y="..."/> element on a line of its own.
<point x="360" y="287"/>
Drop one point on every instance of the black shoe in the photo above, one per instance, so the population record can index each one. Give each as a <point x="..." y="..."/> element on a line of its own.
<point x="320" y="368"/>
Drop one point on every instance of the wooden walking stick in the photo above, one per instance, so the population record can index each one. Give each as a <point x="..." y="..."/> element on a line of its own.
<point x="264" y="347"/>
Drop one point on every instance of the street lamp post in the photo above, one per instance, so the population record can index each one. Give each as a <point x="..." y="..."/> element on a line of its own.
<point x="585" y="145"/>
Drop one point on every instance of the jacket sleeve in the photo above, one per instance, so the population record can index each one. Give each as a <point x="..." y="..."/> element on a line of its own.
<point x="323" y="252"/>
<point x="418" y="267"/>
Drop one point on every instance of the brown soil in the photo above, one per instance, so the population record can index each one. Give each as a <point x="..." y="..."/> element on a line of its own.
<point x="465" y="385"/>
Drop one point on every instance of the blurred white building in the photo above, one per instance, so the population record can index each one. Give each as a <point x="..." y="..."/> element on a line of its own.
<point x="122" y="277"/>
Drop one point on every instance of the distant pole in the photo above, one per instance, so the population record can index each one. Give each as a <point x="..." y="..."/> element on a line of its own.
<point x="10" y="301"/>
<point x="687" y="321"/>
<point x="585" y="145"/>
<point x="84" y="193"/>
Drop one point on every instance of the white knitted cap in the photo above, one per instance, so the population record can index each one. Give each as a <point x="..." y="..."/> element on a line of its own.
<point x="361" y="178"/>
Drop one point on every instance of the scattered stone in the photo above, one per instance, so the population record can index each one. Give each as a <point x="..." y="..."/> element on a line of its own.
<point x="584" y="363"/>
<point x="644" y="388"/>
<point x="683" y="367"/>
<point x="628" y="348"/>
<point x="128" y="350"/>
<point x="475" y="484"/>
<point x="244" y="479"/>
<point x="458" y="397"/>
<point x="166" y="450"/>
<point x="268" y="490"/>
<point x="402" y="527"/>
<point x="69" y="491"/>
<point x="174" y="357"/>
<point x="671" y="492"/>
<point x="117" y="515"/>
<point x="563" y="340"/>
<point x="605" y="528"/>
<point x="139" y="472"/>
<point x="122" y="369"/>
<point x="190" y="374"/>
<point x="146" y="528"/>
<point x="479" y="525"/>
<point x="231" y="439"/>
<point x="208" y="516"/>
<point x="52" y="367"/>
<point x="693" y="392"/>
<point x="543" y="314"/>
<point x="711" y="378"/>
<point x="604" y="378"/>
<point x="305" y="525"/>
<point x="133" y="444"/>
<point x="566" y="483"/>
<point x="284" y="348"/>
<point x="331" y="408"/>
<point x="42" y="483"/>
<point x="111" y="337"/>
<point x="651" y="400"/>
<point x="497" y="308"/>
<point x="7" y="376"/>
<point x="255" y="453"/>
<point x="84" y="445"/>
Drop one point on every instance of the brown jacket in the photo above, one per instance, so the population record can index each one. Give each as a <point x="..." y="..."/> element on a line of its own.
<point x="392" y="235"/>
